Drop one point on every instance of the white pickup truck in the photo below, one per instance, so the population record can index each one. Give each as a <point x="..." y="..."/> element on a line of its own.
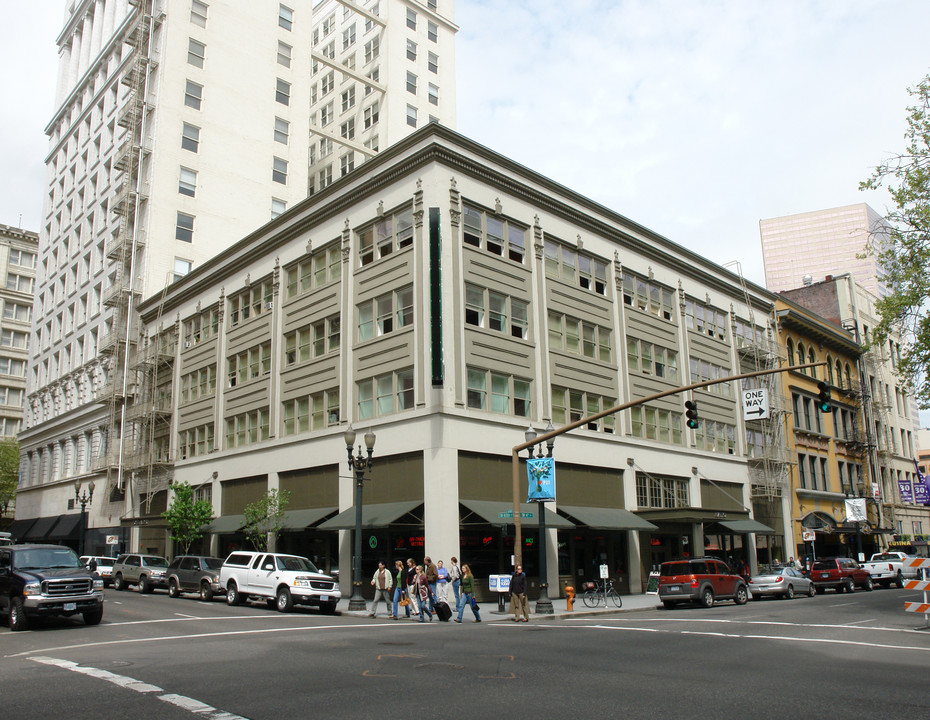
<point x="890" y="567"/>
<point x="281" y="580"/>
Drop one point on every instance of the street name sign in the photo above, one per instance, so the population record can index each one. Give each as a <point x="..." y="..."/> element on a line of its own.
<point x="755" y="404"/>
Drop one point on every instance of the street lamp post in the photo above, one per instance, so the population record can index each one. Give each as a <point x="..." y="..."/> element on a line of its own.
<point x="358" y="464"/>
<point x="83" y="499"/>
<point x="543" y="603"/>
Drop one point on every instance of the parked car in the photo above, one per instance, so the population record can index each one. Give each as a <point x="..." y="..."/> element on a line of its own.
<point x="5" y="538"/>
<point x="146" y="571"/>
<point x="281" y="580"/>
<point x="891" y="567"/>
<point x="783" y="582"/>
<point x="702" y="580"/>
<point x="195" y="573"/>
<point x="103" y="566"/>
<point x="47" y="580"/>
<point x="839" y="573"/>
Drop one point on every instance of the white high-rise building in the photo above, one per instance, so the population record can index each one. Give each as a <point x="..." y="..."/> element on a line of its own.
<point x="178" y="129"/>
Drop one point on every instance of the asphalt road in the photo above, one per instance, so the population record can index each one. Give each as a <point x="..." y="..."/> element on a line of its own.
<point x="850" y="656"/>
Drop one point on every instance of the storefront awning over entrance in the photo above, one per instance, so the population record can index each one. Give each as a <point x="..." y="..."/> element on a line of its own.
<point x="501" y="513"/>
<point x="606" y="518"/>
<point x="691" y="515"/>
<point x="226" y="524"/>
<point x="302" y="519"/>
<point x="39" y="531"/>
<point x="20" y="528"/>
<point x="375" y="515"/>
<point x="746" y="526"/>
<point x="68" y="527"/>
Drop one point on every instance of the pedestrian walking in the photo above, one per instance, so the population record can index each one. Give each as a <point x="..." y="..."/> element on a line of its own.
<point x="455" y="579"/>
<point x="518" y="602"/>
<point x="400" y="589"/>
<point x="432" y="578"/>
<point x="442" y="585"/>
<point x="468" y="594"/>
<point x="383" y="583"/>
<point x="410" y="579"/>
<point x="423" y="594"/>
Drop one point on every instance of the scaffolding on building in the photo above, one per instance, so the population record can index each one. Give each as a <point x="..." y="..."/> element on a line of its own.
<point x="127" y="244"/>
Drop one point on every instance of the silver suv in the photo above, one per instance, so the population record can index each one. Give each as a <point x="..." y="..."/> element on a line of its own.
<point x="146" y="571"/>
<point x="281" y="580"/>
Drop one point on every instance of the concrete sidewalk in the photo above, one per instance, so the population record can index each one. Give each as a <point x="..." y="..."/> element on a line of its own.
<point x="490" y="610"/>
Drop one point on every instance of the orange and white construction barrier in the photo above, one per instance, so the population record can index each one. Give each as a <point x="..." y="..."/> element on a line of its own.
<point x="923" y="565"/>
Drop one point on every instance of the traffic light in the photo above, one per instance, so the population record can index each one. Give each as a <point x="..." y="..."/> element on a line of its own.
<point x="691" y="412"/>
<point x="823" y="398"/>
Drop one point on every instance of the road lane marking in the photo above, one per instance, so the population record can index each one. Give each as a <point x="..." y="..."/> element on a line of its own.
<point x="859" y="622"/>
<point x="778" y="623"/>
<point x="196" y="707"/>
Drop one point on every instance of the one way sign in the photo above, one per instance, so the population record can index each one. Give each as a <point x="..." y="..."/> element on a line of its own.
<point x="755" y="404"/>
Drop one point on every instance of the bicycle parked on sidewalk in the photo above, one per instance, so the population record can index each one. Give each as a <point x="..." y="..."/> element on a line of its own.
<point x="597" y="592"/>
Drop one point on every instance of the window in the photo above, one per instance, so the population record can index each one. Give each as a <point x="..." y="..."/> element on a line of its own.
<point x="21" y="283"/>
<point x="196" y="52"/>
<point x="17" y="311"/>
<point x="190" y="138"/>
<point x="199" y="13"/>
<point x="279" y="171"/>
<point x="187" y="183"/>
<point x="371" y="116"/>
<point x="704" y="370"/>
<point x="193" y="95"/>
<point x="648" y="359"/>
<point x="23" y="258"/>
<point x="312" y="341"/>
<point x="372" y="143"/>
<point x="347" y="129"/>
<point x="277" y="207"/>
<point x="326" y="176"/>
<point x="495" y="311"/>
<point x="707" y="320"/>
<point x="411" y="83"/>
<point x="326" y="116"/>
<point x="329" y="24"/>
<point x="372" y="48"/>
<point x="643" y="294"/>
<point x="285" y="17"/>
<point x="432" y="62"/>
<point x="498" y="393"/>
<point x="247" y="428"/>
<point x="348" y="37"/>
<point x="346" y="163"/>
<point x="283" y="92"/>
<point x="321" y="268"/>
<point x="249" y="364"/>
<point x="281" y="130"/>
<point x="715" y="436"/>
<point x="571" y="405"/>
<point x="385" y="394"/>
<point x="12" y="366"/>
<point x="14" y="339"/>
<point x="284" y="54"/>
<point x="184" y="228"/>
<point x="181" y="268"/>
<point x="348" y="99"/>
<point x="411" y="50"/>
<point x="661" y="491"/>
<point x="411" y="19"/>
<point x="433" y="94"/>
<point x="311" y="412"/>
<point x="385" y="313"/>
<point x="432" y="31"/>
<point x="391" y="233"/>
<point x="495" y="234"/>
<point x="251" y="302"/>
<point x="328" y="82"/>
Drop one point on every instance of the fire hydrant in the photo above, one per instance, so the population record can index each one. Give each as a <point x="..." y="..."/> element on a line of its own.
<point x="570" y="597"/>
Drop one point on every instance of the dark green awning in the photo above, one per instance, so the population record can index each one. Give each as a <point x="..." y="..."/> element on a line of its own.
<point x="501" y="513"/>
<point x="607" y="518"/>
<point x="373" y="515"/>
<point x="302" y="519"/>
<point x="746" y="526"/>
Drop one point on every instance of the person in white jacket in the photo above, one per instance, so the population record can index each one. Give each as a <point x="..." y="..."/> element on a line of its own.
<point x="383" y="584"/>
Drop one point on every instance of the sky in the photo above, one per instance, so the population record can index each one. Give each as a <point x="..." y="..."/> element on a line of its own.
<point x="694" y="118"/>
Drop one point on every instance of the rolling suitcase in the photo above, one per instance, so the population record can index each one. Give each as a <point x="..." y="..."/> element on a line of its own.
<point x="443" y="611"/>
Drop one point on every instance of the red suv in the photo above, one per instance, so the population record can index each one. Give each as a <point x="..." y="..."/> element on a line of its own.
<point x="703" y="580"/>
<point x="840" y="574"/>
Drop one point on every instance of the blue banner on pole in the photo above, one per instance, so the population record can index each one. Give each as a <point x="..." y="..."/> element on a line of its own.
<point x="540" y="475"/>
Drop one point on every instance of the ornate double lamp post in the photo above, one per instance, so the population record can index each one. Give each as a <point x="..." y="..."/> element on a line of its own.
<point x="83" y="499"/>
<point x="543" y="604"/>
<point x="358" y="463"/>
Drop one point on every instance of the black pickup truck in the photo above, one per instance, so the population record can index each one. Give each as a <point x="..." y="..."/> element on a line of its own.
<point x="47" y="580"/>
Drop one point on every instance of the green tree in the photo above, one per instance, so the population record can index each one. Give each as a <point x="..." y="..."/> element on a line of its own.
<point x="905" y="255"/>
<point x="9" y="472"/>
<point x="187" y="517"/>
<point x="264" y="518"/>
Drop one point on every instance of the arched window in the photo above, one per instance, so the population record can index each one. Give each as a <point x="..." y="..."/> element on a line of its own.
<point x="811" y="358"/>
<point x="801" y="354"/>
<point x="830" y="370"/>
<point x="848" y="377"/>
<point x="839" y="375"/>
<point x="790" y="345"/>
